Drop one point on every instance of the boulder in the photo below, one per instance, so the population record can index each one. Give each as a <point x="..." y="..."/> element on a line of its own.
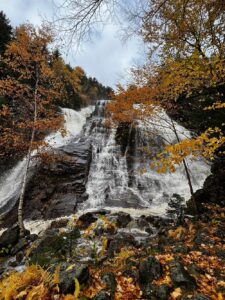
<point x="180" y="276"/>
<point x="116" y="242"/>
<point x="122" y="219"/>
<point x="68" y="274"/>
<point x="149" y="270"/>
<point x="10" y="237"/>
<point x="87" y="219"/>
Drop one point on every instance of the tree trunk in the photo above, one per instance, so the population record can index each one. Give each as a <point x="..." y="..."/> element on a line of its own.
<point x="24" y="182"/>
<point x="187" y="174"/>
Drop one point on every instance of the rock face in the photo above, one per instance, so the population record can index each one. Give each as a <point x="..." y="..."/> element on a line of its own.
<point x="213" y="190"/>
<point x="9" y="237"/>
<point x="56" y="189"/>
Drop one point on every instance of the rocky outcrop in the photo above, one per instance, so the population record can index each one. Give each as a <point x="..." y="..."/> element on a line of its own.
<point x="55" y="189"/>
<point x="213" y="190"/>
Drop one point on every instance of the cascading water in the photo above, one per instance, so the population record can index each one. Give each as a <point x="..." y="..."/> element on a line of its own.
<point x="115" y="177"/>
<point x="114" y="183"/>
<point x="10" y="183"/>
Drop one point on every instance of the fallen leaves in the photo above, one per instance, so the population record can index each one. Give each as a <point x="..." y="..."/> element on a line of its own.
<point x="176" y="294"/>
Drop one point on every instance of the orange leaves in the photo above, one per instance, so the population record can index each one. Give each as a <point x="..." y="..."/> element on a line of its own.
<point x="127" y="289"/>
<point x="27" y="63"/>
<point x="132" y="104"/>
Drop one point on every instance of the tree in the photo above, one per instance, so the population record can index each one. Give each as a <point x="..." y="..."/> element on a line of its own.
<point x="5" y="32"/>
<point x="31" y="90"/>
<point x="179" y="28"/>
<point x="140" y="104"/>
<point x="187" y="40"/>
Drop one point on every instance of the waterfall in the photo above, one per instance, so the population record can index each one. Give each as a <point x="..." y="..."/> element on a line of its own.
<point x="112" y="183"/>
<point x="116" y="179"/>
<point x="10" y="183"/>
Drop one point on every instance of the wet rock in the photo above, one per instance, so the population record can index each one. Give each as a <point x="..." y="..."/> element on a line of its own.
<point x="180" y="276"/>
<point x="13" y="263"/>
<point x="19" y="256"/>
<point x="148" y="291"/>
<point x="116" y="242"/>
<point x="19" y="246"/>
<point x="149" y="230"/>
<point x="163" y="292"/>
<point x="87" y="219"/>
<point x="199" y="297"/>
<point x="213" y="190"/>
<point x="53" y="247"/>
<point x="144" y="225"/>
<point x="154" y="220"/>
<point x="68" y="274"/>
<point x="102" y="212"/>
<point x="122" y="219"/>
<point x="9" y="237"/>
<point x="103" y="295"/>
<point x="33" y="237"/>
<point x="109" y="280"/>
<point x="59" y="223"/>
<point x="149" y="270"/>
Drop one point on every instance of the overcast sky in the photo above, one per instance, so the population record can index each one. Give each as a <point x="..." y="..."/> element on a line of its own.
<point x="106" y="58"/>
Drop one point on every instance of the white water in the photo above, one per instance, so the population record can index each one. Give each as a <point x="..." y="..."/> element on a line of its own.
<point x="10" y="184"/>
<point x="109" y="183"/>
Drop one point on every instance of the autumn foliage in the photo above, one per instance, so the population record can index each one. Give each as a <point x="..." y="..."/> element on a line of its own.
<point x="26" y="60"/>
<point x="188" y="39"/>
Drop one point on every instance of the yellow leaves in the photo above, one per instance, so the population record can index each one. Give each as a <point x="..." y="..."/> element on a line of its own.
<point x="56" y="279"/>
<point x="16" y="283"/>
<point x="71" y="267"/>
<point x="215" y="105"/>
<point x="176" y="294"/>
<point x="21" y="295"/>
<point x="204" y="145"/>
<point x="34" y="284"/>
<point x="177" y="233"/>
<point x="219" y="296"/>
<point x="77" y="289"/>
<point x="104" y="246"/>
<point x="89" y="230"/>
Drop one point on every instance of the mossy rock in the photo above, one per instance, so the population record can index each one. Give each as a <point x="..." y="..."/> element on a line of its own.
<point x="54" y="247"/>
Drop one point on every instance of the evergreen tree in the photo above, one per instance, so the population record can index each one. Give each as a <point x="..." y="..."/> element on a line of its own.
<point x="5" y="32"/>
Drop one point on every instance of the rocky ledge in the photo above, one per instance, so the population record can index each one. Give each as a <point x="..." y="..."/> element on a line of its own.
<point x="106" y="255"/>
<point x="56" y="188"/>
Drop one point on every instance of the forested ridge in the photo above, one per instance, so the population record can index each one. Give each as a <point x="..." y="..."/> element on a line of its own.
<point x="115" y="220"/>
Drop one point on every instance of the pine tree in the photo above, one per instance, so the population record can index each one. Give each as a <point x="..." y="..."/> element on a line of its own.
<point x="5" y="32"/>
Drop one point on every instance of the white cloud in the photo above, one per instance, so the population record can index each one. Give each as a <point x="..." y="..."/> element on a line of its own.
<point x="106" y="58"/>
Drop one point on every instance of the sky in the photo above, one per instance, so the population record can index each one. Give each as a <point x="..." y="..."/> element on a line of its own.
<point x="107" y="58"/>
